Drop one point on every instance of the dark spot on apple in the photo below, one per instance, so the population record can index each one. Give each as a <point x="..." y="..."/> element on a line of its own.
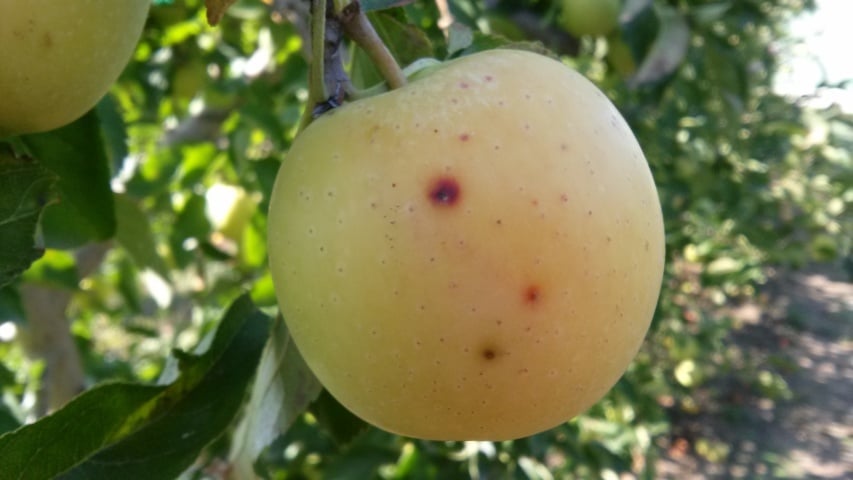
<point x="488" y="78"/>
<point x="532" y="295"/>
<point x="444" y="191"/>
<point x="564" y="198"/>
<point x="463" y="85"/>
<point x="465" y="137"/>
<point x="489" y="354"/>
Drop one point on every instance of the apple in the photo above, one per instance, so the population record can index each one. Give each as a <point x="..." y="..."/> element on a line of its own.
<point x="620" y="57"/>
<point x="57" y="59"/>
<point x="590" y="17"/>
<point x="475" y="255"/>
<point x="229" y="209"/>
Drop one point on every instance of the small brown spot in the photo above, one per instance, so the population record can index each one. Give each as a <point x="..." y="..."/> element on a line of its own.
<point x="489" y="354"/>
<point x="444" y="192"/>
<point x="465" y="137"/>
<point x="463" y="85"/>
<point x="564" y="198"/>
<point x="488" y="78"/>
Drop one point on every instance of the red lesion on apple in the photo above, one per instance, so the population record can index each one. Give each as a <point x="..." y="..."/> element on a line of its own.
<point x="444" y="191"/>
<point x="465" y="137"/>
<point x="532" y="294"/>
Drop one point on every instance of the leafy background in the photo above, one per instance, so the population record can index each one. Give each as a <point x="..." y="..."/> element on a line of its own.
<point x="153" y="300"/>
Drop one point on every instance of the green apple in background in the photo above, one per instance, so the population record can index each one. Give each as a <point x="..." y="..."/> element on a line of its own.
<point x="58" y="58"/>
<point x="619" y="56"/>
<point x="229" y="209"/>
<point x="590" y="17"/>
<point x="476" y="255"/>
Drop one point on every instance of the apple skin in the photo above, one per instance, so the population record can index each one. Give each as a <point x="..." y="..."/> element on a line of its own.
<point x="590" y="17"/>
<point x="476" y="255"/>
<point x="57" y="59"/>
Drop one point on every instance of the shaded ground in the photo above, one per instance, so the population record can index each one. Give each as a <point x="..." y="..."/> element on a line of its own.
<point x="797" y="420"/>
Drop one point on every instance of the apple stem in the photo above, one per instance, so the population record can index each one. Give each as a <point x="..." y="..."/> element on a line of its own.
<point x="359" y="29"/>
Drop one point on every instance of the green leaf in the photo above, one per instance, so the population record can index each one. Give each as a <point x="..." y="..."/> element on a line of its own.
<point x="129" y="431"/>
<point x="339" y="422"/>
<point x="134" y="234"/>
<point x="459" y="37"/>
<point x="284" y="388"/>
<point x="667" y="52"/>
<point x="8" y="421"/>
<point x="368" y="5"/>
<point x="26" y="188"/>
<point x="76" y="154"/>
<point x="114" y="131"/>
<point x="712" y="12"/>
<point x="406" y="43"/>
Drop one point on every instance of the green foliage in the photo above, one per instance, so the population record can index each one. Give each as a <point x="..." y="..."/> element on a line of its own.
<point x="118" y="429"/>
<point x="26" y="188"/>
<point x="748" y="179"/>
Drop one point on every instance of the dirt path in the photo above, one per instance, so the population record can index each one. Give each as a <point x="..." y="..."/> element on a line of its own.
<point x="798" y="422"/>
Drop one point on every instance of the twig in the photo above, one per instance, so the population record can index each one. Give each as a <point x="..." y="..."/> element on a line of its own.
<point x="358" y="28"/>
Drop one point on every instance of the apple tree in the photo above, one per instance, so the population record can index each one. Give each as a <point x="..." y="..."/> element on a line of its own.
<point x="224" y="231"/>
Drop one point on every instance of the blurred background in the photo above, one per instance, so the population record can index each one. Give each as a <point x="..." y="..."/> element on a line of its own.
<point x="744" y="109"/>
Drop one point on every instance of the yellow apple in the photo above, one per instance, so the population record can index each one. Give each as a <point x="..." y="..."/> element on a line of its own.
<point x="590" y="17"/>
<point x="58" y="58"/>
<point x="476" y="255"/>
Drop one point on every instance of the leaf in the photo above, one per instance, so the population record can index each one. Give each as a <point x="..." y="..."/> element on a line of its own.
<point x="216" y="10"/>
<point x="284" y="388"/>
<point x="114" y="131"/>
<point x="707" y="14"/>
<point x="76" y="154"/>
<point x="667" y="52"/>
<point x="368" y="5"/>
<point x="406" y="43"/>
<point x="134" y="234"/>
<point x="459" y="37"/>
<point x="128" y="431"/>
<point x="339" y="422"/>
<point x="26" y="188"/>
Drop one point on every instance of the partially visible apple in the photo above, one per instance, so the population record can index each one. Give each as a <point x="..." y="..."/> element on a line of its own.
<point x="229" y="209"/>
<point x="619" y="56"/>
<point x="58" y="58"/>
<point x="476" y="255"/>
<point x="590" y="17"/>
